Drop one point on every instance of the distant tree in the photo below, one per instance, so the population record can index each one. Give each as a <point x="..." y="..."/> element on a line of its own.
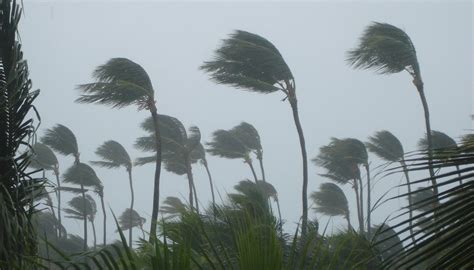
<point x="251" y="62"/>
<point x="173" y="207"/>
<point x="119" y="83"/>
<point x="83" y="207"/>
<point x="388" y="49"/>
<point x="62" y="140"/>
<point x="130" y="219"/>
<point x="200" y="154"/>
<point x="114" y="156"/>
<point x="330" y="200"/>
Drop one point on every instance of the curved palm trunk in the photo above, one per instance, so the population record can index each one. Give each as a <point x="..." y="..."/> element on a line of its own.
<point x="410" y="200"/>
<point x="189" y="174"/>
<point x="359" y="216"/>
<point x="249" y="162"/>
<point x="348" y="218"/>
<point x="130" y="232"/>
<point x="369" y="228"/>
<point x="260" y="160"/>
<point x="156" y="188"/>
<point x="195" y="198"/>
<point x="105" y="218"/>
<point x="58" y="194"/>
<point x="279" y="216"/>
<point x="84" y="217"/>
<point x="210" y="183"/>
<point x="361" y="204"/>
<point x="93" y="232"/>
<point x="304" y="156"/>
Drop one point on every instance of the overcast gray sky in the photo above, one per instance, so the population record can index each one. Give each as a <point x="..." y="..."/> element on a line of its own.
<point x="64" y="41"/>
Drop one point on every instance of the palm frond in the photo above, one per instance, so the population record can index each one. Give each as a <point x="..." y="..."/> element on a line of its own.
<point x="330" y="200"/>
<point x="61" y="139"/>
<point x="225" y="144"/>
<point x="248" y="135"/>
<point x="81" y="174"/>
<point x="386" y="49"/>
<point x="43" y="157"/>
<point x="250" y="62"/>
<point x="173" y="207"/>
<point x="130" y="219"/>
<point x="386" y="146"/>
<point x="442" y="145"/>
<point x="114" y="155"/>
<point x="80" y="207"/>
<point x="120" y="82"/>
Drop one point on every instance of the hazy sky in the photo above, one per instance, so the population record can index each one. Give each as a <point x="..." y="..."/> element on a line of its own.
<point x="64" y="42"/>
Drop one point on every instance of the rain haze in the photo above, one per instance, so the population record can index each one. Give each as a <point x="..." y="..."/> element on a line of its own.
<point x="65" y="41"/>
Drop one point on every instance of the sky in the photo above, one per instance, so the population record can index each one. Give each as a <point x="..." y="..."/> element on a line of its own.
<point x="64" y="41"/>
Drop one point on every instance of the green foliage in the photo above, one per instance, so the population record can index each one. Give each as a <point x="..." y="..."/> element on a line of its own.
<point x="113" y="155"/>
<point x="330" y="200"/>
<point x="129" y="219"/>
<point x="386" y="146"/>
<point x="61" y="139"/>
<point x="43" y="157"/>
<point x="81" y="174"/>
<point x="225" y="144"/>
<point x="442" y="145"/>
<point x="81" y="207"/>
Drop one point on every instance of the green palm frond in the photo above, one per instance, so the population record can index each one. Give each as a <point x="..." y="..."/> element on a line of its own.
<point x="386" y="49"/>
<point x="81" y="174"/>
<point x="172" y="132"/>
<point x="173" y="207"/>
<point x="386" y="146"/>
<point x="467" y="143"/>
<point x="193" y="139"/>
<point x="43" y="157"/>
<point x="120" y="82"/>
<point x="250" y="62"/>
<point x="330" y="200"/>
<point x="61" y="139"/>
<point x="225" y="144"/>
<point x="443" y="146"/>
<point x="248" y="135"/>
<point x="114" y="155"/>
<point x="80" y="207"/>
<point x="130" y="219"/>
<point x="144" y="160"/>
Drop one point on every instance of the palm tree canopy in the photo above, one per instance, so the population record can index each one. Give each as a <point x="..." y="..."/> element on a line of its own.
<point x="247" y="187"/>
<point x="386" y="146"/>
<point x="80" y="207"/>
<point x="113" y="155"/>
<point x="225" y="144"/>
<point x="330" y="200"/>
<point x="120" y="82"/>
<point x="442" y="144"/>
<point x="386" y="49"/>
<point x="250" y="62"/>
<point x="421" y="199"/>
<point x="173" y="207"/>
<point x="81" y="174"/>
<point x="248" y="135"/>
<point x="61" y="139"/>
<point x="43" y="157"/>
<point x="130" y="219"/>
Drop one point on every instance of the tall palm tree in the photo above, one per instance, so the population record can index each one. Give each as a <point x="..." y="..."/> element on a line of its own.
<point x="121" y="82"/>
<point x="178" y="146"/>
<point x="83" y="207"/>
<point x="200" y="154"/>
<point x="331" y="201"/>
<point x="251" y="62"/>
<point x="387" y="147"/>
<point x="248" y="135"/>
<point x="114" y="156"/>
<point x="388" y="50"/>
<point x="99" y="190"/>
<point x="62" y="140"/>
<point x="130" y="219"/>
<point x="44" y="158"/>
<point x="83" y="175"/>
<point x="227" y="145"/>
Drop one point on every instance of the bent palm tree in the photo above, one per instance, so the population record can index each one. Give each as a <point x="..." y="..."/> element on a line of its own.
<point x="62" y="139"/>
<point x="130" y="219"/>
<point x="200" y="154"/>
<point x="83" y="207"/>
<point x="173" y="207"/>
<point x="251" y="62"/>
<point x="331" y="201"/>
<point x="44" y="158"/>
<point x="387" y="147"/>
<point x="388" y="49"/>
<point x="227" y="145"/>
<point x="99" y="190"/>
<point x="249" y="136"/>
<point x="114" y="155"/>
<point x="83" y="175"/>
<point x="121" y="82"/>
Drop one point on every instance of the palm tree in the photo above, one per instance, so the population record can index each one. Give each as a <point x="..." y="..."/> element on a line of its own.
<point x="249" y="136"/>
<point x="62" y="140"/>
<point x="99" y="190"/>
<point x="177" y="149"/>
<point x="388" y="50"/>
<point x="173" y="207"/>
<point x="253" y="63"/>
<point x="44" y="158"/>
<point x="114" y="156"/>
<point x="83" y="175"/>
<point x="121" y="82"/>
<point x="200" y="154"/>
<point x="83" y="207"/>
<point x="331" y="201"/>
<point x="387" y="147"/>
<point x="129" y="219"/>
<point x="227" y="145"/>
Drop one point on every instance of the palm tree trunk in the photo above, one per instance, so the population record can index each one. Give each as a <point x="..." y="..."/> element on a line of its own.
<point x="156" y="188"/>
<point x="410" y="200"/>
<point x="361" y="195"/>
<point x="369" y="228"/>
<point x="260" y="160"/>
<point x="348" y="218"/>
<point x="249" y="162"/>
<point x="84" y="217"/>
<point x="189" y="174"/>
<point x="459" y="174"/>
<point x="58" y="194"/>
<point x="130" y="231"/>
<point x="279" y="216"/>
<point x="359" y="216"/>
<point x="195" y="197"/>
<point x="210" y="183"/>
<point x="304" y="156"/>
<point x="93" y="232"/>
<point x="105" y="218"/>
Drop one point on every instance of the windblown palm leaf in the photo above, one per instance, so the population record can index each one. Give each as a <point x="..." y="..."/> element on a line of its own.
<point x="130" y="219"/>
<point x="80" y="208"/>
<point x="225" y="144"/>
<point x="61" y="139"/>
<point x="81" y="174"/>
<point x="443" y="145"/>
<point x="173" y="207"/>
<point x="248" y="135"/>
<point x="43" y="157"/>
<point x="386" y="146"/>
<point x="113" y="155"/>
<point x="330" y="200"/>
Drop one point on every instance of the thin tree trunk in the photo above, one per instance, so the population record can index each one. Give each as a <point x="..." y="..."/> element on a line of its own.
<point x="410" y="200"/>
<point x="189" y="174"/>
<point x="260" y="160"/>
<point x="459" y="174"/>
<point x="93" y="232"/>
<point x="156" y="188"/>
<point x="348" y="218"/>
<point x="361" y="220"/>
<point x="84" y="217"/>
<point x="196" y="197"/>
<point x="369" y="228"/>
<point x="361" y="195"/>
<point x="279" y="216"/>
<point x="105" y="218"/>
<point x="130" y="231"/>
<point x="58" y="194"/>
<point x="304" y="156"/>
<point x="210" y="183"/>
<point x="249" y="162"/>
